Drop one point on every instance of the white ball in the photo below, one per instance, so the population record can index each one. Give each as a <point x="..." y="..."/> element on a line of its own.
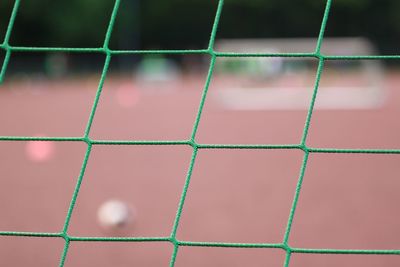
<point x="114" y="214"/>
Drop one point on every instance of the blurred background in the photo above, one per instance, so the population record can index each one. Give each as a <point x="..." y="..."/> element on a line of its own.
<point x="177" y="24"/>
<point x="348" y="201"/>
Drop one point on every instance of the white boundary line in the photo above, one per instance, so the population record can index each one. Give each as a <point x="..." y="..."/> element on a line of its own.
<point x="299" y="98"/>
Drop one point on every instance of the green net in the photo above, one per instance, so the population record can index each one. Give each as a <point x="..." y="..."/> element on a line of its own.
<point x="284" y="245"/>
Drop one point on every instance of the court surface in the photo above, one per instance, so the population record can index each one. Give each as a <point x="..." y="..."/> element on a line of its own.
<point x="348" y="201"/>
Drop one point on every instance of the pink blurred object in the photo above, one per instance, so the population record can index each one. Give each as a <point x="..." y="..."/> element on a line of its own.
<point x="40" y="151"/>
<point x="127" y="96"/>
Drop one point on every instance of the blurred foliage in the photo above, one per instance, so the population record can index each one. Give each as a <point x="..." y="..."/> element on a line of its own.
<point x="187" y="23"/>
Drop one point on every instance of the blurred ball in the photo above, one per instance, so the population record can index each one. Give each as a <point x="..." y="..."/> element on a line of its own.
<point x="115" y="214"/>
<point x="40" y="151"/>
<point x="127" y="96"/>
